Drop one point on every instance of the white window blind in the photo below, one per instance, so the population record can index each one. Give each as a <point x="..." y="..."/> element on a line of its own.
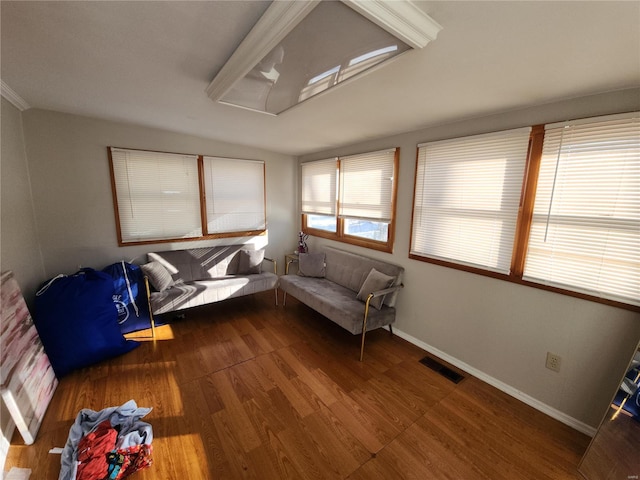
<point x="366" y="185"/>
<point x="585" y="231"/>
<point x="467" y="197"/>
<point x="235" y="197"/>
<point x="319" y="187"/>
<point x="157" y="195"/>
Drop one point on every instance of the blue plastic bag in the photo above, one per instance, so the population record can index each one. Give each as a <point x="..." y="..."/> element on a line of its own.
<point x="129" y="296"/>
<point x="78" y="322"/>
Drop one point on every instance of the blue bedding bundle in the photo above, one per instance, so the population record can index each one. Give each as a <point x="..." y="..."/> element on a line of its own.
<point x="77" y="320"/>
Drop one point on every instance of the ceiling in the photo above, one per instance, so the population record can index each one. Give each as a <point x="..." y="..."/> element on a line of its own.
<point x="149" y="63"/>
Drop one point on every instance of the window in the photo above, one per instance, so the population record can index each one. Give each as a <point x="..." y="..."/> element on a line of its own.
<point x="566" y="220"/>
<point x="352" y="198"/>
<point x="319" y="194"/>
<point x="235" y="195"/>
<point x="170" y="197"/>
<point x="585" y="229"/>
<point x="466" y="199"/>
<point x="157" y="195"/>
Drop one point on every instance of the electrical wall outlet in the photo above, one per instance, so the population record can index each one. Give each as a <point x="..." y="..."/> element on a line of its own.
<point x="553" y="362"/>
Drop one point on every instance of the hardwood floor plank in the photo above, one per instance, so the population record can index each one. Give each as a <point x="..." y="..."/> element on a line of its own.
<point x="170" y="452"/>
<point x="311" y="459"/>
<point x="265" y="422"/>
<point x="421" y="381"/>
<point x="211" y="394"/>
<point x="236" y="455"/>
<point x="330" y="430"/>
<point x="243" y="326"/>
<point x="198" y="416"/>
<point x="233" y="418"/>
<point x="432" y="455"/>
<point x="257" y="343"/>
<point x="398" y="398"/>
<point x="371" y="431"/>
<point x="240" y="387"/>
<point x="289" y="389"/>
<point x="273" y="464"/>
<point x="313" y="386"/>
<point x="524" y="416"/>
<point x="280" y="407"/>
<point x="254" y="375"/>
<point x="375" y="469"/>
<point x="483" y="448"/>
<point x="391" y="421"/>
<point x="521" y="438"/>
<point x="267" y="337"/>
<point x="342" y="457"/>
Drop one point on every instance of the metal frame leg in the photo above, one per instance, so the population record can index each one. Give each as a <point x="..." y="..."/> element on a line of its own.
<point x="364" y="326"/>
<point x="153" y="322"/>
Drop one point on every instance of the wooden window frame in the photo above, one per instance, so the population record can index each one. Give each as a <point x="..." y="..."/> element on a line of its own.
<point x="340" y="236"/>
<point x="206" y="235"/>
<point x="523" y="226"/>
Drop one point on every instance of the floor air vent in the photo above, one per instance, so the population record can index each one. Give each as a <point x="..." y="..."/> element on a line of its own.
<point x="446" y="372"/>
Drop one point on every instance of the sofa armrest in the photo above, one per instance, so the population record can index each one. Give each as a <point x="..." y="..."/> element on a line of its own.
<point x="275" y="265"/>
<point x="385" y="291"/>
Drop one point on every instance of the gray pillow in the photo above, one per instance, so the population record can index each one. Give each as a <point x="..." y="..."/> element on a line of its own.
<point x="311" y="265"/>
<point x="250" y="261"/>
<point x="375" y="281"/>
<point x="158" y="275"/>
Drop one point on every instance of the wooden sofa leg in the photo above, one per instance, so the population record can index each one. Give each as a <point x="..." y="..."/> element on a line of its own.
<point x="391" y="330"/>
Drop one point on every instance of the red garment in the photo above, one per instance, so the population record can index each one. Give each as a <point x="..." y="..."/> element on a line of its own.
<point x="127" y="461"/>
<point x="93" y="449"/>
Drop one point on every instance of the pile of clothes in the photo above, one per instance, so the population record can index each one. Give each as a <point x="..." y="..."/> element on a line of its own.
<point x="107" y="445"/>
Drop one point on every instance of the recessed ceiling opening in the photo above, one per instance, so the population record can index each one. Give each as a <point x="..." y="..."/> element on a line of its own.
<point x="321" y="46"/>
<point x="330" y="45"/>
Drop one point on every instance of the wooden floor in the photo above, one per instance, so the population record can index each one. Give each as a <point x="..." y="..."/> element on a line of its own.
<point x="244" y="389"/>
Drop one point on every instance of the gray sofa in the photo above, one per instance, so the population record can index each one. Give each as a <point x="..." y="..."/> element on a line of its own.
<point x="200" y="276"/>
<point x="333" y="290"/>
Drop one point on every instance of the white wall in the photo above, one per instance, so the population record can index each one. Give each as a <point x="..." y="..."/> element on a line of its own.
<point x="499" y="330"/>
<point x="19" y="248"/>
<point x="69" y="169"/>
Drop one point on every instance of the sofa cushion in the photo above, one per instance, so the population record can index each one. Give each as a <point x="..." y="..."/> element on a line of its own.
<point x="311" y="265"/>
<point x="199" y="263"/>
<point x="158" y="275"/>
<point x="351" y="270"/>
<point x="200" y="292"/>
<point x="374" y="282"/>
<point x="250" y="261"/>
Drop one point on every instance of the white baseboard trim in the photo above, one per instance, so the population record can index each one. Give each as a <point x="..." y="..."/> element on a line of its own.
<point x="509" y="390"/>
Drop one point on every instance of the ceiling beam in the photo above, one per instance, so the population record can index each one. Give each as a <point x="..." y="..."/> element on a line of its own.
<point x="402" y="19"/>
